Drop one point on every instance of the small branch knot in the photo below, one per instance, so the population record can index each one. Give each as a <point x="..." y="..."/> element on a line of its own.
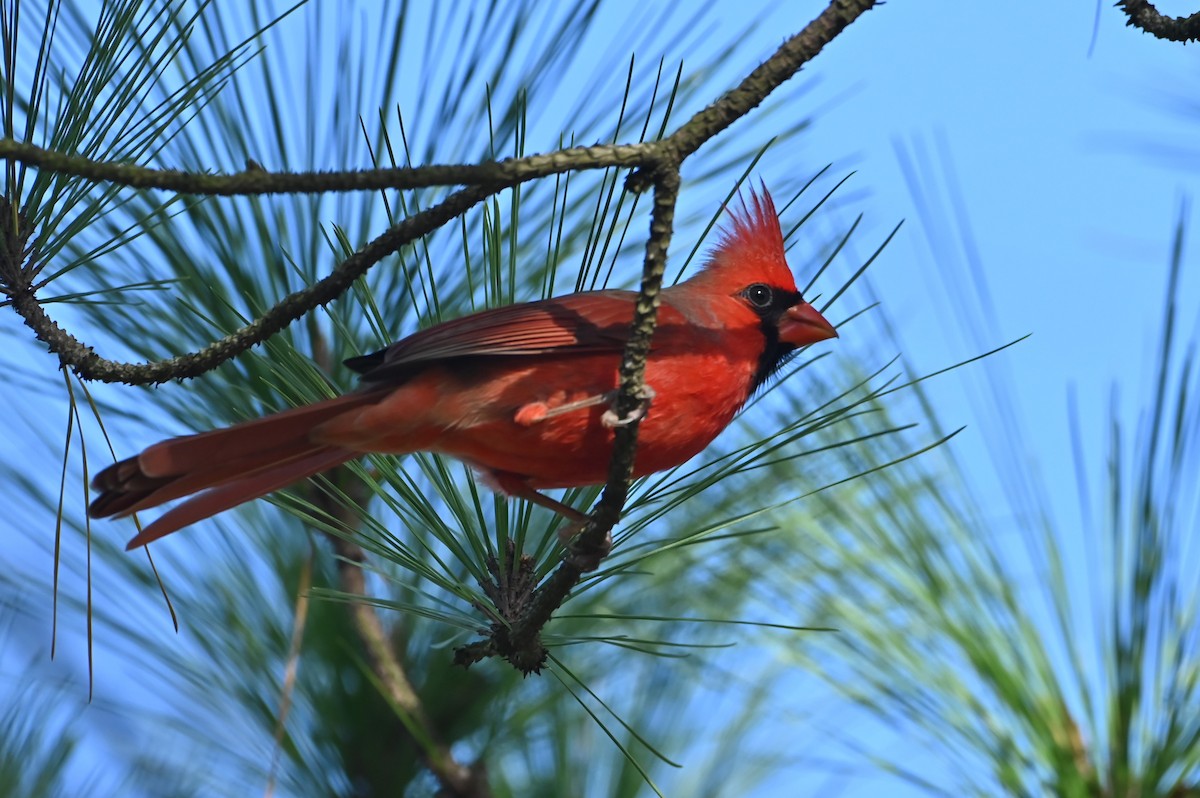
<point x="511" y="590"/>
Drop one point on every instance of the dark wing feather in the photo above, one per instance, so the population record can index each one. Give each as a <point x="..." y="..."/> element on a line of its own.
<point x="596" y="321"/>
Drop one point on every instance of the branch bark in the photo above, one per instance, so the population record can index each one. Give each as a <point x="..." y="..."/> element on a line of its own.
<point x="258" y="181"/>
<point x="1142" y="14"/>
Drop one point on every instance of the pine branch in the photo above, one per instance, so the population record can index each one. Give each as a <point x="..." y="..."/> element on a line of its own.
<point x="517" y="636"/>
<point x="650" y="159"/>
<point x="256" y="181"/>
<point x="1143" y="14"/>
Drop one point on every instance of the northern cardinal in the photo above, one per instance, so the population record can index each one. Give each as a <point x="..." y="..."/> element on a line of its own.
<point x="521" y="393"/>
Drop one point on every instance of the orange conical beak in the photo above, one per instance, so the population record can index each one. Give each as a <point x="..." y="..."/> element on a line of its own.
<point x="802" y="325"/>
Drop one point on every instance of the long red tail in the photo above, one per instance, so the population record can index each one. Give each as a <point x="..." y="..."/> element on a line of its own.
<point x="223" y="467"/>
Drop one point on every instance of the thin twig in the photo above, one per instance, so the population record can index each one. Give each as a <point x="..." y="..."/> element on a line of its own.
<point x="257" y="181"/>
<point x="755" y="87"/>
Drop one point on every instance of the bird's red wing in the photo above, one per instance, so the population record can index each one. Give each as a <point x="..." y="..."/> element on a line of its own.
<point x="597" y="321"/>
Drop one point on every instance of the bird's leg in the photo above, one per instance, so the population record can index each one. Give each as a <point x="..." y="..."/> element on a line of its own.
<point x="610" y="418"/>
<point x="515" y="485"/>
<point x="532" y="413"/>
<point x="587" y="558"/>
<point x="566" y="511"/>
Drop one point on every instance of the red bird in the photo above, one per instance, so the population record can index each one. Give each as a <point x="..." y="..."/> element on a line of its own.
<point x="521" y="393"/>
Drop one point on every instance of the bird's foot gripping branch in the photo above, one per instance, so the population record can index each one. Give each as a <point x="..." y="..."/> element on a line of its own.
<point x="610" y="418"/>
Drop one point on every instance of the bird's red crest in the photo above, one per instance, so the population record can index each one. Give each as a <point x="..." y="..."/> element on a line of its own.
<point x="752" y="244"/>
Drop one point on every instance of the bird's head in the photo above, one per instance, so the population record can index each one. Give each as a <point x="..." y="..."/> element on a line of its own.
<point x="749" y="263"/>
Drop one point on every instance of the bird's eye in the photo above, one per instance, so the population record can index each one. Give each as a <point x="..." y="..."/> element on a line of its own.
<point x="760" y="295"/>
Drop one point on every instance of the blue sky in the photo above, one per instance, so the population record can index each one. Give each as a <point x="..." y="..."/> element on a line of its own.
<point x="1071" y="168"/>
<point x="1071" y="157"/>
<point x="1055" y="154"/>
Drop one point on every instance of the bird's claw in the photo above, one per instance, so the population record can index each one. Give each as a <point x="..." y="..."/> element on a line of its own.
<point x="610" y="418"/>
